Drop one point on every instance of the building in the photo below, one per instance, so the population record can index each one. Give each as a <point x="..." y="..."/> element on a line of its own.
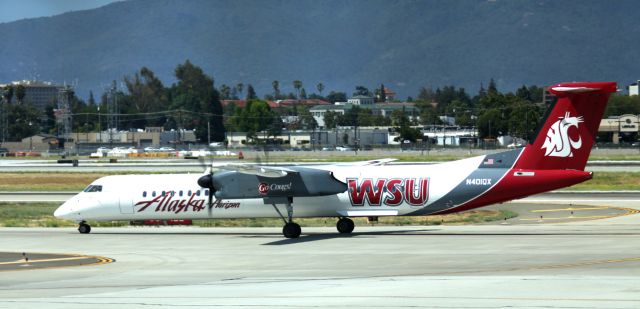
<point x="361" y="100"/>
<point x="278" y="103"/>
<point x="38" y="93"/>
<point x="620" y="128"/>
<point x="389" y="94"/>
<point x="319" y="111"/>
<point x="633" y="88"/>
<point x="382" y="109"/>
<point x="340" y="136"/>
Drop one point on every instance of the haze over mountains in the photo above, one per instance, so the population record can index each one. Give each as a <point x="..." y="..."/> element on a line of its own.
<point x="403" y="44"/>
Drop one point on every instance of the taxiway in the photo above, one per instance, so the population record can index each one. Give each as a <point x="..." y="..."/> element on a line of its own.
<point x="579" y="264"/>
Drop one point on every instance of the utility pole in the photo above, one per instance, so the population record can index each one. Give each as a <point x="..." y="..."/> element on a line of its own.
<point x="112" y="110"/>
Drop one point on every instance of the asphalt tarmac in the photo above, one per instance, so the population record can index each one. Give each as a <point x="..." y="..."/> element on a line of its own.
<point x="585" y="263"/>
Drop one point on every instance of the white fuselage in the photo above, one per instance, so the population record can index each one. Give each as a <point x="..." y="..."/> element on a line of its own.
<point x="386" y="190"/>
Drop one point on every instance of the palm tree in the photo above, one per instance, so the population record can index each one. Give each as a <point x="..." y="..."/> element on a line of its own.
<point x="297" y="84"/>
<point x="276" y="89"/>
<point x="320" y="87"/>
<point x="240" y="87"/>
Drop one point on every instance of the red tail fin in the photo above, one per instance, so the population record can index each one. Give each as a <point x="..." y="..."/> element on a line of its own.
<point x="566" y="138"/>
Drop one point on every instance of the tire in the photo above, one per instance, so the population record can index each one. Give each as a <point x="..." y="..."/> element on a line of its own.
<point x="291" y="230"/>
<point x="345" y="226"/>
<point x="84" y="229"/>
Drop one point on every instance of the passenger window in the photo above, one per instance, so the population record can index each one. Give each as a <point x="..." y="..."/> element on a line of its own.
<point x="189" y="193"/>
<point x="163" y="193"/>
<point x="144" y="194"/>
<point x="180" y="193"/>
<point x="153" y="193"/>
<point x="198" y="193"/>
<point x="206" y="192"/>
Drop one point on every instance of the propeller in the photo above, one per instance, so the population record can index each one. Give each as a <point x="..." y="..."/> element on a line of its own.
<point x="206" y="181"/>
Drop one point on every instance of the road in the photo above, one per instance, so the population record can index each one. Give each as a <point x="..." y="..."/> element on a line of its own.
<point x="579" y="264"/>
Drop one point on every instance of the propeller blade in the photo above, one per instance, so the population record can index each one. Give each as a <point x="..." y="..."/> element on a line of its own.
<point x="210" y="201"/>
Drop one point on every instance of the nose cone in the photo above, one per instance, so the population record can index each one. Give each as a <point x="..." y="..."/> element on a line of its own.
<point x="64" y="211"/>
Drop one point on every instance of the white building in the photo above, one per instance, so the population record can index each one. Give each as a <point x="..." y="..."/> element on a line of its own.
<point x="633" y="88"/>
<point x="361" y="100"/>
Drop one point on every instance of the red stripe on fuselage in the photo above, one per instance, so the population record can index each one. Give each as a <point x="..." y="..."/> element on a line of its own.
<point x="514" y="187"/>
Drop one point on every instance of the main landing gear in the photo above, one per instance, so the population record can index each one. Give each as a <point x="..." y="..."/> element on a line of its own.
<point x="345" y="225"/>
<point x="293" y="230"/>
<point x="290" y="228"/>
<point x="84" y="228"/>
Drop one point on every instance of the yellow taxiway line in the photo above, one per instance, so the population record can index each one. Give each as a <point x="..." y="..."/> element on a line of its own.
<point x="572" y="209"/>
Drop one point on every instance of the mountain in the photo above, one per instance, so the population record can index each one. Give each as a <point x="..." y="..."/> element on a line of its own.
<point x="404" y="44"/>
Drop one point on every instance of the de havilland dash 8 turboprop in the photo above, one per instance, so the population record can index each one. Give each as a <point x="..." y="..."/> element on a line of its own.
<point x="555" y="159"/>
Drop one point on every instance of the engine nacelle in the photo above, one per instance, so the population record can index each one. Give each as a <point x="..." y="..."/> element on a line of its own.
<point x="303" y="182"/>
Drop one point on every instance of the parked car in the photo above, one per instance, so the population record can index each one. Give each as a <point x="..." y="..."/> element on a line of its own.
<point x="344" y="148"/>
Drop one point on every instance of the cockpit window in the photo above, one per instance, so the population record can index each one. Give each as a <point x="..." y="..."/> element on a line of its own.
<point x="93" y="188"/>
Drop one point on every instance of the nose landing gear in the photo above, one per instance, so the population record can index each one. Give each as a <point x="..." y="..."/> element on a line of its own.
<point x="84" y="228"/>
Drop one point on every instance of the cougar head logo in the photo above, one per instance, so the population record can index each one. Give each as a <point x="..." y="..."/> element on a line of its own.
<point x="558" y="143"/>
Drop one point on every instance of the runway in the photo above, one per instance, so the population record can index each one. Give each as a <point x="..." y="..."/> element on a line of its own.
<point x="580" y="264"/>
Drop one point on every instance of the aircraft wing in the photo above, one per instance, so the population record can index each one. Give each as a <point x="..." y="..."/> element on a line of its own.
<point x="258" y="170"/>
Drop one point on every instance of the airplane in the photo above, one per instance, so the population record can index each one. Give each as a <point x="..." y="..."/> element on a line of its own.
<point x="555" y="159"/>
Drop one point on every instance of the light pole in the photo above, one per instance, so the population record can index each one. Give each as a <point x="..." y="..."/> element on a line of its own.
<point x="30" y="137"/>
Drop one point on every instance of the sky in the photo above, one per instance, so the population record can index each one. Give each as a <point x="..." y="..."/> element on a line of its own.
<point x="12" y="10"/>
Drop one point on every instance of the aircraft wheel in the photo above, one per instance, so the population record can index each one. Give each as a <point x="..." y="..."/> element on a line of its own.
<point x="291" y="230"/>
<point x="345" y="225"/>
<point x="84" y="228"/>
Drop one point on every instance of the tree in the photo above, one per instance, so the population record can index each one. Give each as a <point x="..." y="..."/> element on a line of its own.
<point x="92" y="100"/>
<point x="251" y="94"/>
<point x="21" y="92"/>
<point x="240" y="88"/>
<point x="380" y="94"/>
<point x="320" y="88"/>
<point x="493" y="89"/>
<point x="490" y="123"/>
<point x="297" y="85"/>
<point x="307" y="122"/>
<point x="426" y="95"/>
<point x="334" y="97"/>
<point x="362" y="90"/>
<point x="303" y="93"/>
<point x="403" y="126"/>
<point x="147" y="94"/>
<point x="25" y="121"/>
<point x="523" y="93"/>
<point x="330" y="119"/>
<point x="276" y="89"/>
<point x="7" y="93"/>
<point x="225" y="92"/>
<point x="256" y="117"/>
<point x="196" y="94"/>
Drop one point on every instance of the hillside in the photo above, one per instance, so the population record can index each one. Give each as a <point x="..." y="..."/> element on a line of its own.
<point x="403" y="44"/>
